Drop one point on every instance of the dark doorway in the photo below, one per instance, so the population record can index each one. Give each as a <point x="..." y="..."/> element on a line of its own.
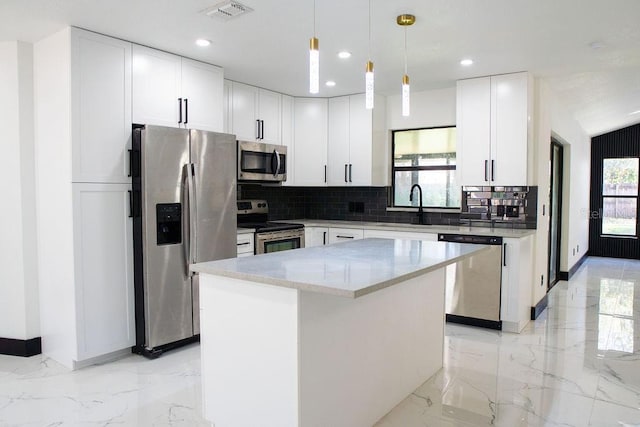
<point x="555" y="212"/>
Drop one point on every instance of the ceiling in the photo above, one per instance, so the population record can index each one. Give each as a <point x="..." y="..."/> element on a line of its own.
<point x="587" y="50"/>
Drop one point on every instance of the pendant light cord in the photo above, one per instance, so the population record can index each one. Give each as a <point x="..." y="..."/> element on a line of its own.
<point x="314" y="18"/>
<point x="405" y="50"/>
<point x="369" y="49"/>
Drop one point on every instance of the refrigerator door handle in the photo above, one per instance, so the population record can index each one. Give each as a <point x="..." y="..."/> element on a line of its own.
<point x="193" y="218"/>
<point x="186" y="216"/>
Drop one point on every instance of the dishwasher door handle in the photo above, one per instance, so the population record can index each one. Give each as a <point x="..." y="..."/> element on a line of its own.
<point x="504" y="254"/>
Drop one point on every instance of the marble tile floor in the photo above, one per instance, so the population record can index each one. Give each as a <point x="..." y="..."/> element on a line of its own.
<point x="577" y="365"/>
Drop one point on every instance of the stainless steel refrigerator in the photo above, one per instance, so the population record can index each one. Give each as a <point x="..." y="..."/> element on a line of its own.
<point x="184" y="209"/>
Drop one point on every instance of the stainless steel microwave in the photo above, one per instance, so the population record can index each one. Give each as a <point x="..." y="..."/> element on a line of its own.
<point x="260" y="162"/>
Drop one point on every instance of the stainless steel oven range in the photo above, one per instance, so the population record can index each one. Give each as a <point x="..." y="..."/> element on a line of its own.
<point x="269" y="236"/>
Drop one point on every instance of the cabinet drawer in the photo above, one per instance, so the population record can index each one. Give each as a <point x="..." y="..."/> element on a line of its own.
<point x="245" y="244"/>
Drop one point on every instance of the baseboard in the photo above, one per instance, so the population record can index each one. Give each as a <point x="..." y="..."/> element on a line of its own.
<point x="23" y="348"/>
<point x="539" y="307"/>
<point x="566" y="275"/>
<point x="98" y="360"/>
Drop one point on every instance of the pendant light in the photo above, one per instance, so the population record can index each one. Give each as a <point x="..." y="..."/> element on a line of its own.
<point x="314" y="58"/>
<point x="368" y="76"/>
<point x="405" y="21"/>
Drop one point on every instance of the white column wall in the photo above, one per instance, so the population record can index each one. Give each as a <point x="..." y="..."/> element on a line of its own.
<point x="552" y="118"/>
<point x="19" y="318"/>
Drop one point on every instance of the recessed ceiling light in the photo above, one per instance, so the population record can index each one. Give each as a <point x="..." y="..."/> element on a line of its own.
<point x="635" y="112"/>
<point x="596" y="45"/>
<point x="330" y="83"/>
<point x="466" y="62"/>
<point x="203" y="42"/>
<point x="344" y="54"/>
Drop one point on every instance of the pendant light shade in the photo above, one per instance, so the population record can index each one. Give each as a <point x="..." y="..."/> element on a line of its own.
<point x="314" y="66"/>
<point x="314" y="58"/>
<point x="368" y="75"/>
<point x="405" y="21"/>
<point x="368" y="82"/>
<point x="406" y="96"/>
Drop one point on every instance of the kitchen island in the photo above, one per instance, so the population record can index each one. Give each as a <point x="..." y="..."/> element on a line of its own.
<point x="325" y="336"/>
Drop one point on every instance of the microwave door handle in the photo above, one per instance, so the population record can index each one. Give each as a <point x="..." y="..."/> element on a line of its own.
<point x="193" y="216"/>
<point x="277" y="171"/>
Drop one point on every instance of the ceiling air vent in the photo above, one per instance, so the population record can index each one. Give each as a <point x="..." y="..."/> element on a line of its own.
<point x="227" y="10"/>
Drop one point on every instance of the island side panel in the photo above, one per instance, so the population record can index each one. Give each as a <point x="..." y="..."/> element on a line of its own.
<point x="361" y="357"/>
<point x="249" y="347"/>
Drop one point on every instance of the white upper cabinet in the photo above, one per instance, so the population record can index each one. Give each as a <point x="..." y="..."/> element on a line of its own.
<point x="493" y="127"/>
<point x="287" y="137"/>
<point x="202" y="89"/>
<point x="310" y="140"/>
<point x="255" y="114"/>
<point x="169" y="90"/>
<point x="357" y="151"/>
<point x="338" y="142"/>
<point x="101" y="107"/>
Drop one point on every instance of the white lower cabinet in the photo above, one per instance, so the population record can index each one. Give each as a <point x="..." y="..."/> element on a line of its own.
<point x="392" y="234"/>
<point x="245" y="244"/>
<point x="345" y="234"/>
<point x="315" y="236"/>
<point x="103" y="269"/>
<point x="515" y="297"/>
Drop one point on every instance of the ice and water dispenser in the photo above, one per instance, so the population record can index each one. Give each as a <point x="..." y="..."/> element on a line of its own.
<point x="169" y="223"/>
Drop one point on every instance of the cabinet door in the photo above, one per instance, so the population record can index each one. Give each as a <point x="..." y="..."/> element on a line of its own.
<point x="287" y="138"/>
<point x="202" y="90"/>
<point x="101" y="104"/>
<point x="473" y="130"/>
<point x="245" y="244"/>
<point x="315" y="236"/>
<point x="338" y="141"/>
<point x="226" y="106"/>
<point x="409" y="235"/>
<point x="156" y="87"/>
<point x="103" y="268"/>
<point x="269" y="112"/>
<point x="310" y="139"/>
<point x="360" y="141"/>
<point x="509" y="125"/>
<point x="244" y="99"/>
<point x="345" y="234"/>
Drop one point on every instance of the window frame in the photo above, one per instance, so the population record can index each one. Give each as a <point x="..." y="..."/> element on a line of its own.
<point x="604" y="196"/>
<point x="395" y="169"/>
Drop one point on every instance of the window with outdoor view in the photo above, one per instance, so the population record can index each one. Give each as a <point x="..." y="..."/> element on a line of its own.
<point x="426" y="157"/>
<point x="619" y="196"/>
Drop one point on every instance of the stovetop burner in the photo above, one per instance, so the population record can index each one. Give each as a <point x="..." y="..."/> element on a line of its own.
<point x="255" y="213"/>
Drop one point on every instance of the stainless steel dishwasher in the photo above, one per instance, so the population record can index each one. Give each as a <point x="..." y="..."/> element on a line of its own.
<point x="473" y="284"/>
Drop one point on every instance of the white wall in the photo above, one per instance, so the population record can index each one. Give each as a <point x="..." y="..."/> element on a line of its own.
<point x="430" y="108"/>
<point x="18" y="267"/>
<point x="551" y="118"/>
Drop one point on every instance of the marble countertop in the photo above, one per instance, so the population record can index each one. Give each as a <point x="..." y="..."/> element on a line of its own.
<point x="350" y="269"/>
<point x="391" y="226"/>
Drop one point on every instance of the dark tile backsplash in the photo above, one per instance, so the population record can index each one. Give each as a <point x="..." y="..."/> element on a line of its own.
<point x="343" y="203"/>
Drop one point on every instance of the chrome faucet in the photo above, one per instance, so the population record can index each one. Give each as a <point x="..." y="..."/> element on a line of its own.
<point x="420" y="210"/>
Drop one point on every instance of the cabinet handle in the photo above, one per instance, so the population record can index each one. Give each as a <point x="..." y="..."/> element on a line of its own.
<point x="180" y="108"/>
<point x="350" y="168"/>
<point x="345" y="173"/>
<point x="130" y="161"/>
<point x="486" y="165"/>
<point x="543" y="210"/>
<point x="130" y="204"/>
<point x="344" y="237"/>
<point x="243" y="243"/>
<point x="325" y="173"/>
<point x="493" y="168"/>
<point x="186" y="111"/>
<point x="324" y="237"/>
<point x="504" y="255"/>
<point x="261" y="129"/>
<point x="257" y="129"/>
